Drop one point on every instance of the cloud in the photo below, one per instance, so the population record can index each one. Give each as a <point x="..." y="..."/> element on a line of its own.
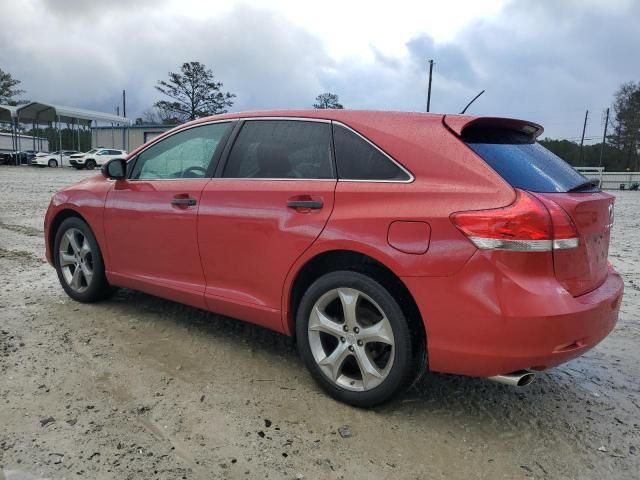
<point x="541" y="60"/>
<point x="267" y="61"/>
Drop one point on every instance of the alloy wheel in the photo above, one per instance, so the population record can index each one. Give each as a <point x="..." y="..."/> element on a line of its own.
<point x="76" y="260"/>
<point x="351" y="339"/>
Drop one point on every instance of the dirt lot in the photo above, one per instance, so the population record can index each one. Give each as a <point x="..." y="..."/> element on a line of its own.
<point x="138" y="387"/>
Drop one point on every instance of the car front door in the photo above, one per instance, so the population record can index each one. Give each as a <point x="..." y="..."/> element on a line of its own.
<point x="151" y="217"/>
<point x="268" y="203"/>
<point x="102" y="157"/>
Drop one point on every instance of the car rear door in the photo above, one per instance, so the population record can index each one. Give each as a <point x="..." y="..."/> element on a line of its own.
<point x="151" y="217"/>
<point x="268" y="203"/>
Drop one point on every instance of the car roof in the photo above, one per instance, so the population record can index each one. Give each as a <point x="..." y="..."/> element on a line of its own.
<point x="410" y="138"/>
<point x="344" y="115"/>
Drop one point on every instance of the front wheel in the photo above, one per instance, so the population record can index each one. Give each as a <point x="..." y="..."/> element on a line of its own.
<point x="79" y="262"/>
<point x="355" y="339"/>
<point x="90" y="164"/>
<point x="53" y="163"/>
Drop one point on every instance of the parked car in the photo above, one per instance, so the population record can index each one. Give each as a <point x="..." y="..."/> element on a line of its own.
<point x="53" y="159"/>
<point x="387" y="243"/>
<point x="22" y="157"/>
<point x="95" y="158"/>
<point x="5" y="158"/>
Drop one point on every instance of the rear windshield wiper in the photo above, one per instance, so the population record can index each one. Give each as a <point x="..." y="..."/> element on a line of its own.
<point x="586" y="185"/>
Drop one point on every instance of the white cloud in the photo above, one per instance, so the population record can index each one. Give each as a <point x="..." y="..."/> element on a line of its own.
<point x="547" y="61"/>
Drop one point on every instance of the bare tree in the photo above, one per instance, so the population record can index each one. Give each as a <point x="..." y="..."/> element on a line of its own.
<point x="327" y="100"/>
<point x="157" y="116"/>
<point x="7" y="92"/>
<point x="193" y="93"/>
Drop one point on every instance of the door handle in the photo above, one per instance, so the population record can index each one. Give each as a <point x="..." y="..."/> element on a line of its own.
<point x="184" y="202"/>
<point x="311" y="204"/>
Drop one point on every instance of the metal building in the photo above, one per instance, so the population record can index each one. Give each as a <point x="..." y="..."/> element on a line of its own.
<point x="8" y="140"/>
<point x="128" y="138"/>
<point x="40" y="113"/>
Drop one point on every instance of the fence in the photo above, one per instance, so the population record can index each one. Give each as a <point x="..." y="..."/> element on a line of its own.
<point x="611" y="180"/>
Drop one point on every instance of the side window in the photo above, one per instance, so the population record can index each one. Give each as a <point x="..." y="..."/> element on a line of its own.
<point x="357" y="159"/>
<point x="281" y="149"/>
<point x="186" y="154"/>
<point x="115" y="152"/>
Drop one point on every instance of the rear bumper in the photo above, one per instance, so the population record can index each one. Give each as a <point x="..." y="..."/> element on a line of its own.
<point x="482" y="322"/>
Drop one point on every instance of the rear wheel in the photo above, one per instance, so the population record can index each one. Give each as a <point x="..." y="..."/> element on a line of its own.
<point x="53" y="163"/>
<point x="90" y="164"/>
<point x="355" y="339"/>
<point x="79" y="262"/>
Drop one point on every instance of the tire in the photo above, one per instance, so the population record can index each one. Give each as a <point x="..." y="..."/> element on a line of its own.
<point x="90" y="283"/>
<point x="321" y="338"/>
<point x="90" y="164"/>
<point x="53" y="163"/>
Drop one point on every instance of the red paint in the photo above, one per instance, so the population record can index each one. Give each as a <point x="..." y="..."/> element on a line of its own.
<point x="409" y="237"/>
<point x="249" y="239"/>
<point x="582" y="269"/>
<point x="239" y="249"/>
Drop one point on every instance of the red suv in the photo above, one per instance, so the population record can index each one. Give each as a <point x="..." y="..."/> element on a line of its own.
<point x="387" y="243"/>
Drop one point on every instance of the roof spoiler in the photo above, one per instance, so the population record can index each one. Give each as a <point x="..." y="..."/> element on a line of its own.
<point x="458" y="123"/>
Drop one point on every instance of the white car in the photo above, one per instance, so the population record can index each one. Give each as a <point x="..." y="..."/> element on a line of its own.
<point x="95" y="158"/>
<point x="52" y="159"/>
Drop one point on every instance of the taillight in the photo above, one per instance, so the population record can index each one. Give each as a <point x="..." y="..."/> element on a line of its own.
<point x="529" y="224"/>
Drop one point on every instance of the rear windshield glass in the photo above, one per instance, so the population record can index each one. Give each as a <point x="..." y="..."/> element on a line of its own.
<point x="527" y="165"/>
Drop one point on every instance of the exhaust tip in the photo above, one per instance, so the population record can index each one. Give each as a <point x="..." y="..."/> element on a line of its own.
<point x="521" y="378"/>
<point x="526" y="379"/>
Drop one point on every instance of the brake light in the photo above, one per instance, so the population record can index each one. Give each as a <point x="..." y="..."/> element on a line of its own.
<point x="528" y="224"/>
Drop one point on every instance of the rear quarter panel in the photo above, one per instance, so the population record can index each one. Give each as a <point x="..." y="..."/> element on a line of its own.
<point x="449" y="177"/>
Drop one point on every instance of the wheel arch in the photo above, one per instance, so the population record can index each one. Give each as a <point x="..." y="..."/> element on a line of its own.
<point x="60" y="217"/>
<point x="345" y="259"/>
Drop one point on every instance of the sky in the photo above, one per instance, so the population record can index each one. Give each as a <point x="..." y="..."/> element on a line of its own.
<point x="542" y="60"/>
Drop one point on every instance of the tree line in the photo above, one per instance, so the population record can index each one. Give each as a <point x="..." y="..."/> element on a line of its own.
<point x="193" y="92"/>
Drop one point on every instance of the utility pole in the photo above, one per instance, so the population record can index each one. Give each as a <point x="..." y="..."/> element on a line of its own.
<point x="604" y="137"/>
<point x="584" y="128"/>
<point x="429" y="88"/>
<point x="124" y="114"/>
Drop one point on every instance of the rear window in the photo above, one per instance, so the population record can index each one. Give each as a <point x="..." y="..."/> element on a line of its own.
<point x="522" y="162"/>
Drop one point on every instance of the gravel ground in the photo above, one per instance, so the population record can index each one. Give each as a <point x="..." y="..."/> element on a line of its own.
<point x="139" y="387"/>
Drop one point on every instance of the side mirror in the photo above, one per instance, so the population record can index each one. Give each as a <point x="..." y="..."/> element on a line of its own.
<point x="115" y="169"/>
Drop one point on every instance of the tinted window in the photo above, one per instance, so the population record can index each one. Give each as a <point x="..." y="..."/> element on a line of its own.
<point x="186" y="154"/>
<point x="115" y="152"/>
<point x="523" y="163"/>
<point x="281" y="149"/>
<point x="357" y="159"/>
